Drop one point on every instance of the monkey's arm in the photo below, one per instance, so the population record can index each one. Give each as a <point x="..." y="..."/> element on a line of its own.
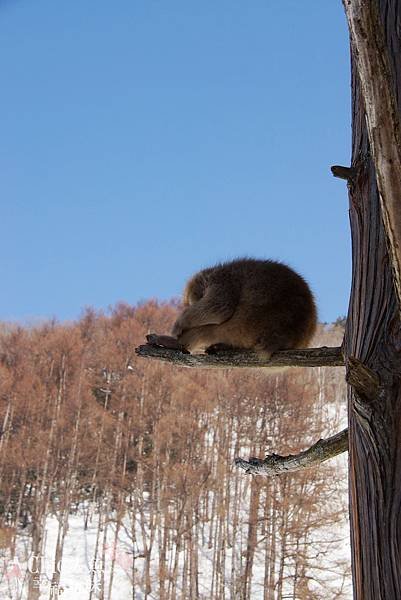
<point x="214" y="308"/>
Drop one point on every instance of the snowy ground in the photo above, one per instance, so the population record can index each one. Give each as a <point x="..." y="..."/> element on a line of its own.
<point x="78" y="573"/>
<point x="81" y="577"/>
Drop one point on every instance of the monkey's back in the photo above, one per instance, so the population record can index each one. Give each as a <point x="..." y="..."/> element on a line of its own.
<point x="275" y="308"/>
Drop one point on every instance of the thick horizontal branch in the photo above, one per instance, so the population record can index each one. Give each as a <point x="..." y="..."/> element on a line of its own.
<point x="310" y="357"/>
<point x="274" y="464"/>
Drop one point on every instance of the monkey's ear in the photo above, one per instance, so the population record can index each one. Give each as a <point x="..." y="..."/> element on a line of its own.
<point x="165" y="341"/>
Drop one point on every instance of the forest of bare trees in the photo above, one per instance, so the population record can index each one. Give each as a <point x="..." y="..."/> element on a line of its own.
<point x="140" y="454"/>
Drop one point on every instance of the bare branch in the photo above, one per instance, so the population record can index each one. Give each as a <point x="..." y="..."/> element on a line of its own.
<point x="382" y="117"/>
<point x="310" y="357"/>
<point x="274" y="464"/>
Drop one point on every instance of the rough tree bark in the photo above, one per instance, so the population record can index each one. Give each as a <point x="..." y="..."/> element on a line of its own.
<point x="373" y="333"/>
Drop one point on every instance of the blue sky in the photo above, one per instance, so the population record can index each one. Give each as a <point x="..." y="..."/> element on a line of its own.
<point x="142" y="140"/>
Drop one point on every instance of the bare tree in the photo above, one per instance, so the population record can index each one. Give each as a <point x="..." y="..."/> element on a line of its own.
<point x="373" y="328"/>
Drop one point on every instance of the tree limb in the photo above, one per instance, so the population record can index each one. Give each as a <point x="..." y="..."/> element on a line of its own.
<point x="310" y="357"/>
<point x="274" y="464"/>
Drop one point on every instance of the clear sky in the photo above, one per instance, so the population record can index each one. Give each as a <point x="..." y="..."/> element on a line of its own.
<point x="144" y="139"/>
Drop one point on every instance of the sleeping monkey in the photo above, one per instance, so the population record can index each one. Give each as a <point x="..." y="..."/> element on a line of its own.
<point x="251" y="304"/>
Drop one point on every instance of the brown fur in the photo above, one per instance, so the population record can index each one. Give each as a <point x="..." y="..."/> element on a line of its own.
<point x="246" y="303"/>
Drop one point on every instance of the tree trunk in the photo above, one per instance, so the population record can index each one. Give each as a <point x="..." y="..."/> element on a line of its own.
<point x="373" y="336"/>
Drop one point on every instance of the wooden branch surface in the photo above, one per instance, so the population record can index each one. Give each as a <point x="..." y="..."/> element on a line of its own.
<point x="274" y="464"/>
<point x="382" y="116"/>
<point x="310" y="357"/>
